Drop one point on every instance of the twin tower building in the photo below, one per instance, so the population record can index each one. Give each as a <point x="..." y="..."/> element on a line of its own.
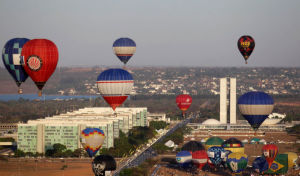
<point x="223" y="100"/>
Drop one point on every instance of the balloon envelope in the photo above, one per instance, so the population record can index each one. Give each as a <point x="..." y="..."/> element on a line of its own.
<point x="246" y="45"/>
<point x="292" y="159"/>
<point x="216" y="155"/>
<point x="40" y="60"/>
<point x="270" y="152"/>
<point x="192" y="146"/>
<point x="213" y="141"/>
<point x="11" y="58"/>
<point x="115" y="85"/>
<point x="234" y="145"/>
<point x="124" y="49"/>
<point x="183" y="102"/>
<point x="92" y="140"/>
<point x="199" y="158"/>
<point x="260" y="164"/>
<point x="237" y="162"/>
<point x="183" y="157"/>
<point x="103" y="163"/>
<point x="255" y="107"/>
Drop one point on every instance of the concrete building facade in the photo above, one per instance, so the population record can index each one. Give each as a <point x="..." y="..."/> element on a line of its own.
<point x="224" y="100"/>
<point x="40" y="135"/>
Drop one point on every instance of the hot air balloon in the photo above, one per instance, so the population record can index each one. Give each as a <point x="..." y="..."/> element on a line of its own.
<point x="234" y="145"/>
<point x="115" y="85"/>
<point x="292" y="159"/>
<point x="255" y="107"/>
<point x="40" y="60"/>
<point x="199" y="158"/>
<point x="237" y="162"/>
<point x="216" y="155"/>
<point x="184" y="158"/>
<point x="213" y="141"/>
<point x="270" y="152"/>
<point x="246" y="45"/>
<point x="124" y="48"/>
<point x="260" y="164"/>
<point x="92" y="140"/>
<point x="11" y="58"/>
<point x="183" y="102"/>
<point x="102" y="164"/>
<point x="192" y="146"/>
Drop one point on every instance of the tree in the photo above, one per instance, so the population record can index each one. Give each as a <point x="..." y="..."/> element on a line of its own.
<point x="19" y="153"/>
<point x="59" y="148"/>
<point x="158" y="124"/>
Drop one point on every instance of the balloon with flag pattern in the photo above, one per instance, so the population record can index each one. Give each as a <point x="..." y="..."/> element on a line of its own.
<point x="92" y="140"/>
<point x="270" y="152"/>
<point x="237" y="162"/>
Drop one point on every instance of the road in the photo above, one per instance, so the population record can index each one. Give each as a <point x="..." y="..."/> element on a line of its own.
<point x="148" y="152"/>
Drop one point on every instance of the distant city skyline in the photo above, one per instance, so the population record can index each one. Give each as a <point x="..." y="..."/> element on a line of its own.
<point x="167" y="33"/>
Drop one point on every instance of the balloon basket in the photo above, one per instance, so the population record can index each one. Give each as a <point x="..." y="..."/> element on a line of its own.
<point x="40" y="93"/>
<point x="20" y="91"/>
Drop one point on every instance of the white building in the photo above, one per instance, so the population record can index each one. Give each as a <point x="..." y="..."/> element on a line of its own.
<point x="40" y="135"/>
<point x="223" y="100"/>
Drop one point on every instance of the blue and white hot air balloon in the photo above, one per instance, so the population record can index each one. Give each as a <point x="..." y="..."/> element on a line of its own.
<point x="184" y="158"/>
<point x="124" y="48"/>
<point x="255" y="107"/>
<point x="115" y="85"/>
<point x="11" y="58"/>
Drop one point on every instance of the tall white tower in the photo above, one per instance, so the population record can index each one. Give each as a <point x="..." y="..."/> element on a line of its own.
<point x="232" y="100"/>
<point x="223" y="100"/>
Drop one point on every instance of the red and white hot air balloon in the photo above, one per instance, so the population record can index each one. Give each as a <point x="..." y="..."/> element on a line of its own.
<point x="40" y="60"/>
<point x="183" y="101"/>
<point x="115" y="86"/>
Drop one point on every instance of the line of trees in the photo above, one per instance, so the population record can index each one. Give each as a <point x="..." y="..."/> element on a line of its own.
<point x="57" y="151"/>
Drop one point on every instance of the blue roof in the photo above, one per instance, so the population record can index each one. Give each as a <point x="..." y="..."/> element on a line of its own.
<point x="124" y="42"/>
<point x="255" y="98"/>
<point x="114" y="74"/>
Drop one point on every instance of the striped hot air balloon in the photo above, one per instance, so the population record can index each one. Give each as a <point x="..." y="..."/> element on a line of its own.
<point x="234" y="145"/>
<point x="11" y="58"/>
<point x="115" y="85"/>
<point x="255" y="107"/>
<point x="200" y="158"/>
<point x="124" y="49"/>
<point x="183" y="157"/>
<point x="92" y="140"/>
<point x="270" y="152"/>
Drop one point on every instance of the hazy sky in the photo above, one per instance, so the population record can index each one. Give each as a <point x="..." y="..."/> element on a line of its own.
<point x="167" y="32"/>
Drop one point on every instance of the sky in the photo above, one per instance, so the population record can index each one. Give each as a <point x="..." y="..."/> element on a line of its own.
<point x="198" y="33"/>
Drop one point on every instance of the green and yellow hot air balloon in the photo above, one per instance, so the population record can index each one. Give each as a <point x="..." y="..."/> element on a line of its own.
<point x="237" y="162"/>
<point x="213" y="142"/>
<point x="234" y="145"/>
